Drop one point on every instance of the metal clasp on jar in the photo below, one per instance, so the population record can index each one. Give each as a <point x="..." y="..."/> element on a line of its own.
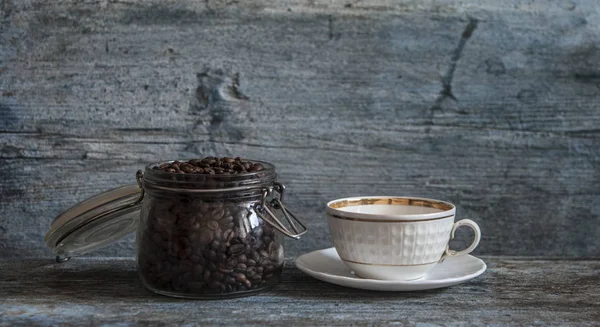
<point x="264" y="210"/>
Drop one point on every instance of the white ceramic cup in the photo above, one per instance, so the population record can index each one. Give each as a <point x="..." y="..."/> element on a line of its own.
<point x="394" y="238"/>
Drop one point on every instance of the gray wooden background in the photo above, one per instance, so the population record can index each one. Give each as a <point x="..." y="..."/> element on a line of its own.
<point x="493" y="105"/>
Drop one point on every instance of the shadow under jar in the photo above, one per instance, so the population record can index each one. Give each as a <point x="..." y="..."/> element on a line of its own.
<point x="211" y="236"/>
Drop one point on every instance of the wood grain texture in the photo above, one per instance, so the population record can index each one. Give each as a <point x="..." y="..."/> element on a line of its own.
<point x="491" y="105"/>
<point x="107" y="292"/>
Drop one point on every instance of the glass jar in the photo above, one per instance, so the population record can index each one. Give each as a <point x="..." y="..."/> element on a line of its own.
<point x="198" y="235"/>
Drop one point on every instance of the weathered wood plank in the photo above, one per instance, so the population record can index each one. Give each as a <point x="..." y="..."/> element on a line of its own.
<point x="107" y="291"/>
<point x="345" y="97"/>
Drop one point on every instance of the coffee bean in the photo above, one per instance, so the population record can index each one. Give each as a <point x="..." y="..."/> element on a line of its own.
<point x="236" y="249"/>
<point x="254" y="256"/>
<point x="198" y="271"/>
<point x="207" y="276"/>
<point x="212" y="266"/>
<point x="212" y="255"/>
<point x="215" y="285"/>
<point x="226" y="220"/>
<point x="184" y="253"/>
<point x="185" y="266"/>
<point x="195" y="258"/>
<point x="225" y="269"/>
<point x="256" y="167"/>
<point x="217" y="275"/>
<point x="213" y="225"/>
<point x="204" y="207"/>
<point x="228" y="235"/>
<point x="206" y="236"/>
<point x="231" y="262"/>
<point x="242" y="279"/>
<point x="241" y="267"/>
<point x="217" y="213"/>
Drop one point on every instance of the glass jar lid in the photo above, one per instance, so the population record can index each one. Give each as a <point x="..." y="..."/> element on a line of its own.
<point x="95" y="222"/>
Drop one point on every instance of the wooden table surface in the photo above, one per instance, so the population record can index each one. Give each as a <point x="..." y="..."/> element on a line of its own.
<point x="106" y="291"/>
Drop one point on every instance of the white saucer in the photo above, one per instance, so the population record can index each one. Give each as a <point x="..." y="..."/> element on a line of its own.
<point x="327" y="266"/>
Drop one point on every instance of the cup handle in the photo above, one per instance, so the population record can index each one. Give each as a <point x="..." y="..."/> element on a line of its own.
<point x="474" y="227"/>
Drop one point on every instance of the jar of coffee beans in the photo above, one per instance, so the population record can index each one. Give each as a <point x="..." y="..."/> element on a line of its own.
<point x="208" y="228"/>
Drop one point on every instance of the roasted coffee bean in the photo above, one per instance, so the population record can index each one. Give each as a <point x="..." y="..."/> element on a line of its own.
<point x="184" y="253"/>
<point x="269" y="268"/>
<point x="256" y="167"/>
<point x="240" y="267"/>
<point x="263" y="262"/>
<point x="198" y="271"/>
<point x="228" y="235"/>
<point x="212" y="266"/>
<point x="242" y="258"/>
<point x="212" y="255"/>
<point x="254" y="256"/>
<point x="185" y="265"/>
<point x="213" y="225"/>
<point x="206" y="236"/>
<point x="207" y="276"/>
<point x="217" y="213"/>
<point x="195" y="258"/>
<point x="217" y="275"/>
<point x="204" y="207"/>
<point x="236" y="249"/>
<point x="242" y="279"/>
<point x="216" y="285"/>
<point x="226" y="220"/>
<point x="225" y="269"/>
<point x="231" y="262"/>
<point x="251" y="241"/>
<point x="223" y="248"/>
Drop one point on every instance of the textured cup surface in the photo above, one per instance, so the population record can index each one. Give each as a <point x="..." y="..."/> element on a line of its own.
<point x="390" y="237"/>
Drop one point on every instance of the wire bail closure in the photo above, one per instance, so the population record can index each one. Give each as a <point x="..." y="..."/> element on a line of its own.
<point x="264" y="209"/>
